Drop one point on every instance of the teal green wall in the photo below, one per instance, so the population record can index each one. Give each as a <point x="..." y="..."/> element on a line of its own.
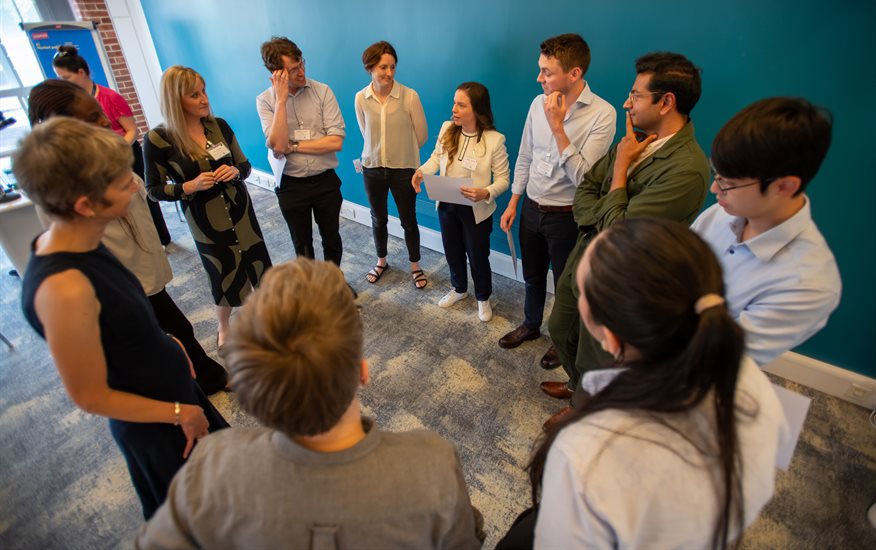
<point x="747" y="49"/>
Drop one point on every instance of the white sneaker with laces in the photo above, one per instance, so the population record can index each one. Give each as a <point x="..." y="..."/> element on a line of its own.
<point x="451" y="298"/>
<point x="485" y="312"/>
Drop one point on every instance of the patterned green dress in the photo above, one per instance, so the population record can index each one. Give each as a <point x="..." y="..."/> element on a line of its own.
<point x="221" y="219"/>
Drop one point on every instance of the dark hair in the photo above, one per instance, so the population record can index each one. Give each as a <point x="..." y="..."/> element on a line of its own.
<point x="672" y="73"/>
<point x="645" y="277"/>
<point x="295" y="348"/>
<point x="274" y="49"/>
<point x="68" y="58"/>
<point x="480" y="104"/>
<point x="53" y="97"/>
<point x="773" y="138"/>
<point x="372" y="54"/>
<point x="570" y="50"/>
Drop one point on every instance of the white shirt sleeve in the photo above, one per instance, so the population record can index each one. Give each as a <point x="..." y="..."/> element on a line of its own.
<point x="565" y="518"/>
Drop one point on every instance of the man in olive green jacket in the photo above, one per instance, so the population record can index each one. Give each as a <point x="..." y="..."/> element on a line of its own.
<point x="665" y="174"/>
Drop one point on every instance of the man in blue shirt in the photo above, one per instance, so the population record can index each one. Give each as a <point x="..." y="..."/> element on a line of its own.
<point x="782" y="279"/>
<point x="568" y="128"/>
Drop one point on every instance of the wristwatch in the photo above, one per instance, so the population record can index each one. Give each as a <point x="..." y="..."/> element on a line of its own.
<point x="294" y="143"/>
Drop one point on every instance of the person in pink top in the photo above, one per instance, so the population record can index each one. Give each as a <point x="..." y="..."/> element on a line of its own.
<point x="69" y="65"/>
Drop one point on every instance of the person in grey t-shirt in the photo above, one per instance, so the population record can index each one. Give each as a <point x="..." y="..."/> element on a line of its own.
<point x="317" y="474"/>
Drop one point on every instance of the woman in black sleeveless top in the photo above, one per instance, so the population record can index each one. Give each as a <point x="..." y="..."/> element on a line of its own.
<point x="113" y="358"/>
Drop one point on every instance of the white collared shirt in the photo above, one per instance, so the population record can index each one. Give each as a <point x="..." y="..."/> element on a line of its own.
<point x="590" y="127"/>
<point x="782" y="285"/>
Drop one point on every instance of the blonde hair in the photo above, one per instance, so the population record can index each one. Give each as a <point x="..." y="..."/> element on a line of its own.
<point x="64" y="159"/>
<point x="177" y="82"/>
<point x="295" y="349"/>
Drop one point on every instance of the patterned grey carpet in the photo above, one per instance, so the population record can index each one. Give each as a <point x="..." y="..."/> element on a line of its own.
<point x="63" y="483"/>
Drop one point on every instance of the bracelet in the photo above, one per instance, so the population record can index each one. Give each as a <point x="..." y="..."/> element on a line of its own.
<point x="176" y="413"/>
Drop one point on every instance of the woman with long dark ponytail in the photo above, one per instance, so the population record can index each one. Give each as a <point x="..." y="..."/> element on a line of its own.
<point x="676" y="447"/>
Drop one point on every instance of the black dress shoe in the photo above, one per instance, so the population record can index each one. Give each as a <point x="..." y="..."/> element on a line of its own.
<point x="551" y="360"/>
<point x="560" y="390"/>
<point x="518" y="336"/>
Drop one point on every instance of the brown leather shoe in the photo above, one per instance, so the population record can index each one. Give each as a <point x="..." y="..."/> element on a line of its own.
<point x="556" y="418"/>
<point x="560" y="390"/>
<point x="518" y="336"/>
<point x="551" y="359"/>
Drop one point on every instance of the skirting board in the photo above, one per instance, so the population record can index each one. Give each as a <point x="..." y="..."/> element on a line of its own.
<point x="832" y="380"/>
<point x="429" y="238"/>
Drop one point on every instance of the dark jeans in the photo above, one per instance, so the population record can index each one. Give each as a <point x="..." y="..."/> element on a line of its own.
<point x="154" y="207"/>
<point x="378" y="183"/>
<point x="546" y="238"/>
<point x="319" y="195"/>
<point x="463" y="237"/>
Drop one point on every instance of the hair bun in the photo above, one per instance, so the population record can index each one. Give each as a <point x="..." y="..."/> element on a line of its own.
<point x="68" y="50"/>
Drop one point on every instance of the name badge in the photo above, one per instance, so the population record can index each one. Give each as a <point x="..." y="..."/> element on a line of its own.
<point x="357" y="166"/>
<point x="545" y="169"/>
<point x="301" y="135"/>
<point x="218" y="151"/>
<point x="470" y="163"/>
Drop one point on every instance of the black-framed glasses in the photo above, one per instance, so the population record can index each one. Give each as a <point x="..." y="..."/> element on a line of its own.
<point x="722" y="184"/>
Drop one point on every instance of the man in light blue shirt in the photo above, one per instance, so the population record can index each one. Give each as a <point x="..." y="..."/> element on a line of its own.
<point x="302" y="121"/>
<point x="568" y="128"/>
<point x="782" y="279"/>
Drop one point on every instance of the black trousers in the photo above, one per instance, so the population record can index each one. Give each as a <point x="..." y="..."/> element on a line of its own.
<point x="521" y="534"/>
<point x="319" y="196"/>
<point x="154" y="207"/>
<point x="378" y="183"/>
<point x="211" y="376"/>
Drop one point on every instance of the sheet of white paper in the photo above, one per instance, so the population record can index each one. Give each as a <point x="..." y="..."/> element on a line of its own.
<point x="795" y="406"/>
<point x="513" y="251"/>
<point x="277" y="165"/>
<point x="446" y="189"/>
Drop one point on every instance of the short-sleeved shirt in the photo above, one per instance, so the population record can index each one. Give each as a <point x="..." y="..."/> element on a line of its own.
<point x="114" y="106"/>
<point x="313" y="109"/>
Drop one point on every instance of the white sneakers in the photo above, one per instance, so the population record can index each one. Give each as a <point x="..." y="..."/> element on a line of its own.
<point x="451" y="298"/>
<point x="485" y="312"/>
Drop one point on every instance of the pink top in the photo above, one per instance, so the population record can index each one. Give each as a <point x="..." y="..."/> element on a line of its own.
<point x="115" y="106"/>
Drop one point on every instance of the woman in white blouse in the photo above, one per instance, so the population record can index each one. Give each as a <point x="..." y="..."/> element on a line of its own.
<point x="393" y="127"/>
<point x="676" y="446"/>
<point x="469" y="147"/>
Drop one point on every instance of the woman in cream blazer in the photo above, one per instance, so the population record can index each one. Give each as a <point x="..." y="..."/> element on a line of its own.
<point x="469" y="147"/>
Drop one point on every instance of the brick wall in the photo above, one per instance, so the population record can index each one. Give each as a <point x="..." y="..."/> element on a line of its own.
<point x="96" y="10"/>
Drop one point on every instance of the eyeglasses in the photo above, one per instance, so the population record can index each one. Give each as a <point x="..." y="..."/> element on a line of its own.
<point x="634" y="96"/>
<point x="724" y="189"/>
<point x="297" y="68"/>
